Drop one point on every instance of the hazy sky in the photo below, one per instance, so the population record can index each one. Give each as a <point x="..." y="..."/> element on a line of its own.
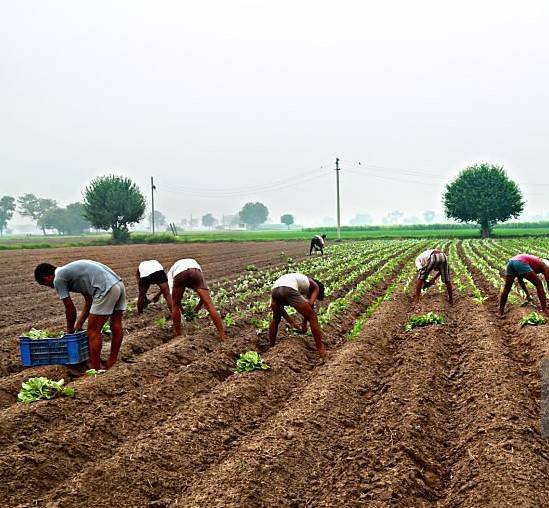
<point x="229" y="101"/>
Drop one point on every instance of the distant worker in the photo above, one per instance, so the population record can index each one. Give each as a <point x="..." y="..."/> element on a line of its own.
<point x="317" y="243"/>
<point x="300" y="292"/>
<point x="187" y="273"/>
<point x="152" y="272"/>
<point x="104" y="297"/>
<point x="526" y="266"/>
<point x="426" y="262"/>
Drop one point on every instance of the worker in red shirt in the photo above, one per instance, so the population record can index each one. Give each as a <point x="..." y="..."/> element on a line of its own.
<point x="526" y="266"/>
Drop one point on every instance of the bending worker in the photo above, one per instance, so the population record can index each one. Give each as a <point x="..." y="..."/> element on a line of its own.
<point x="317" y="243"/>
<point x="426" y="262"/>
<point x="301" y="293"/>
<point x="104" y="298"/>
<point x="152" y="272"/>
<point x="187" y="273"/>
<point x="526" y="266"/>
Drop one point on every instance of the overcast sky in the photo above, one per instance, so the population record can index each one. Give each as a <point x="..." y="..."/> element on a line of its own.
<point x="230" y="101"/>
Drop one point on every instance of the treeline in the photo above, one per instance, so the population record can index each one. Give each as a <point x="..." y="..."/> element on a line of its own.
<point x="45" y="213"/>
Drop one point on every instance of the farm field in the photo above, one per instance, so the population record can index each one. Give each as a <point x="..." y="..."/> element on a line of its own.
<point x="419" y="231"/>
<point x="443" y="415"/>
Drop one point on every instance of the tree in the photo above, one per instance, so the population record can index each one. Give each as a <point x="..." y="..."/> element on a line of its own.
<point x="483" y="194"/>
<point x="254" y="214"/>
<point x="7" y="207"/>
<point x="287" y="219"/>
<point x="35" y="208"/>
<point x="159" y="219"/>
<point x="114" y="202"/>
<point x="69" y="220"/>
<point x="55" y="218"/>
<point x="429" y="216"/>
<point x="76" y="217"/>
<point x="209" y="220"/>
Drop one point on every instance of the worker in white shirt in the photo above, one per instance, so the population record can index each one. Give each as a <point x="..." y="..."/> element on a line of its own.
<point x="300" y="292"/>
<point x="426" y="262"/>
<point x="187" y="273"/>
<point x="152" y="272"/>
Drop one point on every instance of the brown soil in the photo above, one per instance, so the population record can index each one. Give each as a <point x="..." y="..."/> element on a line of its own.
<point x="440" y="416"/>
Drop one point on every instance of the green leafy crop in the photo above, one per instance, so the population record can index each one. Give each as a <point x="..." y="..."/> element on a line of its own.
<point x="106" y="330"/>
<point x="249" y="361"/>
<point x="533" y="319"/>
<point x="430" y="318"/>
<point x="40" y="388"/>
<point x="190" y="314"/>
<point x="162" y="323"/>
<point x="35" y="334"/>
<point x="94" y="372"/>
<point x="229" y="320"/>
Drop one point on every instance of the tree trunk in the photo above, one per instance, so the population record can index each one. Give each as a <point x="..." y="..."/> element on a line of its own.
<point x="120" y="234"/>
<point x="486" y="230"/>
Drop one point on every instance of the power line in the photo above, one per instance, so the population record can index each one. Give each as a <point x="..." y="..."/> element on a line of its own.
<point x="219" y="193"/>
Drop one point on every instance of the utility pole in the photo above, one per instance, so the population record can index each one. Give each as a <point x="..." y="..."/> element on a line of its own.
<point x="337" y="170"/>
<point x="153" y="188"/>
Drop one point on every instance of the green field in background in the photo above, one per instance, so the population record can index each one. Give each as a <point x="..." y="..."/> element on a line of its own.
<point x="347" y="233"/>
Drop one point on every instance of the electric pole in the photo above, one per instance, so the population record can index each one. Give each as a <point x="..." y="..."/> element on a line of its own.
<point x="338" y="207"/>
<point x="153" y="188"/>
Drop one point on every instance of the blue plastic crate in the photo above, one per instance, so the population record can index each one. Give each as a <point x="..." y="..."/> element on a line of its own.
<point x="67" y="350"/>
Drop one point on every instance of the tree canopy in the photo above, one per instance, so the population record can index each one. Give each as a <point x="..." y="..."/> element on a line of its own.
<point x="115" y="203"/>
<point x="35" y="208"/>
<point x="484" y="194"/>
<point x="67" y="221"/>
<point x="159" y="219"/>
<point x="287" y="219"/>
<point x="7" y="207"/>
<point x="209" y="220"/>
<point x="253" y="214"/>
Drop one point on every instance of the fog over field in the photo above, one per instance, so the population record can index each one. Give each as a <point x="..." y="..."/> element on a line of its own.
<point x="227" y="102"/>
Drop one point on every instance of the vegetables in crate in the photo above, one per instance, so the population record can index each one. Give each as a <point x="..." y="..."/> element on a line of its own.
<point x="36" y="334"/>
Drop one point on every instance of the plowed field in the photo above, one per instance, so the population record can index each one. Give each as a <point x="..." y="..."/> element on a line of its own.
<point x="445" y="415"/>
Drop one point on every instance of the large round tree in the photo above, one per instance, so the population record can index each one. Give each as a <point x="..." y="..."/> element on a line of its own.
<point x="254" y="214"/>
<point x="115" y="203"/>
<point x="483" y="194"/>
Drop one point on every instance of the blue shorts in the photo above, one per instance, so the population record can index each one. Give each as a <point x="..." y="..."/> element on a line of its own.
<point x="516" y="268"/>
